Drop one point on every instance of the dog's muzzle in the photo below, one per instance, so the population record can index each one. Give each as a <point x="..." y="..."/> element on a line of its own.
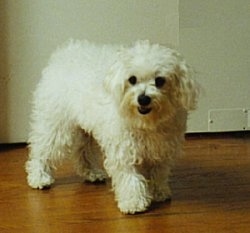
<point x="144" y="102"/>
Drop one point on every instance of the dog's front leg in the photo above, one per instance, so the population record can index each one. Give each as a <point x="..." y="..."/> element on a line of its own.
<point x="159" y="182"/>
<point x="131" y="190"/>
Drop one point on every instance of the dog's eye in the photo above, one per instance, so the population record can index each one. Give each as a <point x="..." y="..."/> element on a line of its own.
<point x="159" y="82"/>
<point x="132" y="80"/>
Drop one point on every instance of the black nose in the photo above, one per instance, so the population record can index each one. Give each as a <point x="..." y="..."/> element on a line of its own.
<point x="144" y="100"/>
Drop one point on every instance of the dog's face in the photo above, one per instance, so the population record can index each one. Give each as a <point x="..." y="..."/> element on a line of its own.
<point x="150" y="83"/>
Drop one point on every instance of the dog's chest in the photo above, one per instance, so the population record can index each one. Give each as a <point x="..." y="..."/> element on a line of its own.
<point x="154" y="147"/>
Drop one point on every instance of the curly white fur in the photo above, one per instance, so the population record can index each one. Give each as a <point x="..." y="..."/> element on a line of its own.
<point x="87" y="107"/>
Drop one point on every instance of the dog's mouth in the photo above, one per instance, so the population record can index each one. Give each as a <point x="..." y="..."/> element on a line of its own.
<point x="144" y="110"/>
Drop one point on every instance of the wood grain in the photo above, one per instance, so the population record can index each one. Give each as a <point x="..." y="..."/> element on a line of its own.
<point x="211" y="193"/>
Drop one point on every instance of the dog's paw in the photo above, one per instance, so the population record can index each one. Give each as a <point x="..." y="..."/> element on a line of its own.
<point x="39" y="174"/>
<point x="40" y="180"/>
<point x="162" y="194"/>
<point x="133" y="206"/>
<point x="95" y="175"/>
<point x="132" y="193"/>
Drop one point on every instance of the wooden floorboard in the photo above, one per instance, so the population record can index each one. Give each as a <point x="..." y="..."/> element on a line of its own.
<point x="210" y="184"/>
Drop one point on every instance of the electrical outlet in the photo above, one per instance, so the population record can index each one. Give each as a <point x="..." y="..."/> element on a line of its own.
<point x="228" y="120"/>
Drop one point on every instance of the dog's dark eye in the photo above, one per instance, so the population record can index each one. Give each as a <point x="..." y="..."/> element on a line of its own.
<point x="132" y="80"/>
<point x="159" y="82"/>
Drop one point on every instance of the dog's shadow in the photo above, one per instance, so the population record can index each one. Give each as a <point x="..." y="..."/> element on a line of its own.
<point x="193" y="185"/>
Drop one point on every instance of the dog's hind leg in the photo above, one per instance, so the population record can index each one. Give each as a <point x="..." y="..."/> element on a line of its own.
<point x="88" y="158"/>
<point x="49" y="143"/>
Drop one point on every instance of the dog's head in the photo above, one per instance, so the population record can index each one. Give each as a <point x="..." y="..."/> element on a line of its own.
<point x="150" y="83"/>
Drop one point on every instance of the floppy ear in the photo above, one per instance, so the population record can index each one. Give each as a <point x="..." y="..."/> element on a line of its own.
<point x="189" y="89"/>
<point x="114" y="81"/>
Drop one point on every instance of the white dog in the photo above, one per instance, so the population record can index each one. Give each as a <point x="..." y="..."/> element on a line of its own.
<point x="125" y="105"/>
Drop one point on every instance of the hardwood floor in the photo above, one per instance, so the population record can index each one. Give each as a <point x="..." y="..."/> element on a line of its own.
<point x="211" y="193"/>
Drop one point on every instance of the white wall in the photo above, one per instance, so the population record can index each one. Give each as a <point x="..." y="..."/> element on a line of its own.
<point x="213" y="35"/>
<point x="215" y="39"/>
<point x="32" y="29"/>
<point x="3" y="73"/>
